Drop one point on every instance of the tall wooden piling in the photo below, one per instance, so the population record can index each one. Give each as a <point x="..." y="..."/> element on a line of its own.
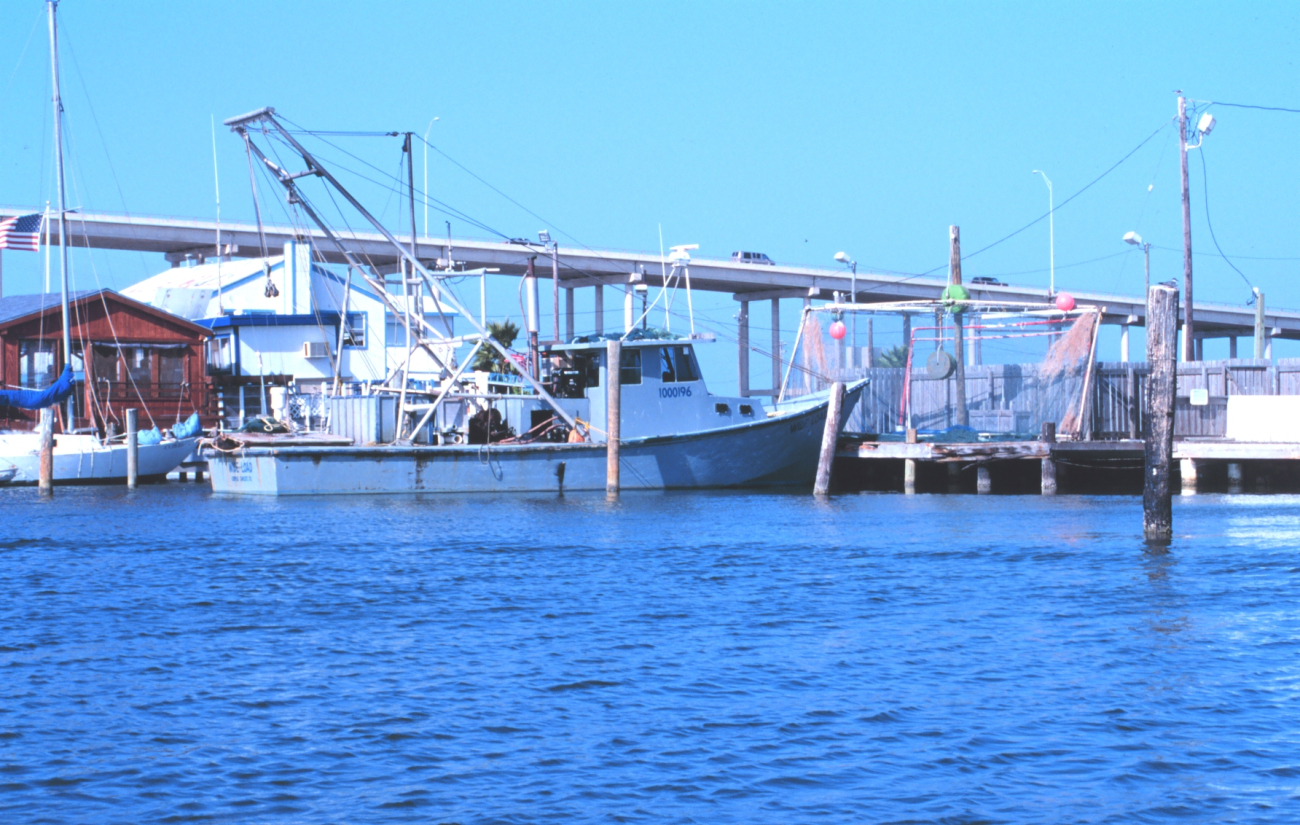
<point x="1049" y="463"/>
<point x="132" y="448"/>
<point x="1259" y="324"/>
<point x="983" y="481"/>
<point x="1162" y="349"/>
<point x="830" y="435"/>
<point x="613" y="411"/>
<point x="46" y="478"/>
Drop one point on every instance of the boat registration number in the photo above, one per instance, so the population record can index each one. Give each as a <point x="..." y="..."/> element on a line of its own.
<point x="674" y="392"/>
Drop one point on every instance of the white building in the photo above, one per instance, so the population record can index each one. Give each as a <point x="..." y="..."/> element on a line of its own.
<point x="276" y="320"/>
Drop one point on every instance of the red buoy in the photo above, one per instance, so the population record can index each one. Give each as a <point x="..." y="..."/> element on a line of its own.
<point x="1065" y="302"/>
<point x="838" y="330"/>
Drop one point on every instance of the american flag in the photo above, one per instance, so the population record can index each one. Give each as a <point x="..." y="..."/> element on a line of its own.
<point x="21" y="232"/>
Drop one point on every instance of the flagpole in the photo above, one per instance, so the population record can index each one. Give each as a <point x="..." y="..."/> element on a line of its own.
<point x="46" y="223"/>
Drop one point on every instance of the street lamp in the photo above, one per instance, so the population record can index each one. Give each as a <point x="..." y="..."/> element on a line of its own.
<point x="1051" y="230"/>
<point x="1136" y="240"/>
<point x="843" y="257"/>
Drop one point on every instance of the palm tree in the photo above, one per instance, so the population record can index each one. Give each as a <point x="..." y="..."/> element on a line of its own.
<point x="894" y="357"/>
<point x="488" y="359"/>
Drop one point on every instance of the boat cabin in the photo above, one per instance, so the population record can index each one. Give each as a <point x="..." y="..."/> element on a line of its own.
<point x="124" y="354"/>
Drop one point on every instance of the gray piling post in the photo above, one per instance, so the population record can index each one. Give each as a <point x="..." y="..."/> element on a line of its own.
<point x="1049" y="463"/>
<point x="983" y="483"/>
<point x="613" y="411"/>
<point x="46" y="480"/>
<point x="1162" y="349"/>
<point x="132" y="448"/>
<point x="830" y="435"/>
<point x="909" y="466"/>
<point x="1234" y="477"/>
<point x="1188" y="469"/>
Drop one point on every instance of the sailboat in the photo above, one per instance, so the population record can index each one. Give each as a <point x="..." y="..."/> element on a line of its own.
<point x="509" y="428"/>
<point x="79" y="457"/>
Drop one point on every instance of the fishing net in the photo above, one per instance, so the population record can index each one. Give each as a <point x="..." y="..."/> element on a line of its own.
<point x="1023" y="366"/>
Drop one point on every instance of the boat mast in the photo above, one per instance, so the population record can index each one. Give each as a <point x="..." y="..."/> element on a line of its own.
<point x="52" y="5"/>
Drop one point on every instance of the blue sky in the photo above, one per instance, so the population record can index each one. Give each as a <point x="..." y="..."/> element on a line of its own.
<point x="793" y="129"/>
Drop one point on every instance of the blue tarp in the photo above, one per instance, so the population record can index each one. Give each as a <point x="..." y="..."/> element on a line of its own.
<point x="36" y="399"/>
<point x="188" y="428"/>
<point x="149" y="436"/>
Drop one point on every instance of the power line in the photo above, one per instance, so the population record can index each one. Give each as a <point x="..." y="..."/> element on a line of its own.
<point x="1249" y="106"/>
<point x="1205" y="196"/>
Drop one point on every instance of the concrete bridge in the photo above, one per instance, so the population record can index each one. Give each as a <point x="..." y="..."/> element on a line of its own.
<point x="179" y="240"/>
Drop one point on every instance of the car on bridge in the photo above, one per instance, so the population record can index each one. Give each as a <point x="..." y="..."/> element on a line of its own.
<point x="752" y="258"/>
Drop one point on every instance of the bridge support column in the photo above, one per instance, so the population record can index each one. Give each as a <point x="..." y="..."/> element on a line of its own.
<point x="742" y="335"/>
<point x="776" y="348"/>
<point x="1123" y="343"/>
<point x="1232" y="346"/>
<point x="600" y="309"/>
<point x="568" y="314"/>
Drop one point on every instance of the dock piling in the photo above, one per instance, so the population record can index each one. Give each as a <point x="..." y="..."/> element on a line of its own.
<point x="1234" y="476"/>
<point x="1188" y="469"/>
<point x="909" y="466"/>
<point x="1048" y="484"/>
<point x="830" y="435"/>
<point x="1162" y="342"/>
<point x="613" y="411"/>
<point x="983" y="483"/>
<point x="46" y="480"/>
<point x="132" y="448"/>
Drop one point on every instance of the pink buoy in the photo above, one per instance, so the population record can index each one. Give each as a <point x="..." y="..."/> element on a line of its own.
<point x="838" y="330"/>
<point x="1065" y="302"/>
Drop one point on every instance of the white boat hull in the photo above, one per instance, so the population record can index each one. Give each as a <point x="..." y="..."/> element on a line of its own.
<point x="777" y="451"/>
<point x="82" y="459"/>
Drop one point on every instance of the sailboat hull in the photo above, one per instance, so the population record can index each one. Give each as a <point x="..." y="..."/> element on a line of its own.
<point x="778" y="451"/>
<point x="80" y="459"/>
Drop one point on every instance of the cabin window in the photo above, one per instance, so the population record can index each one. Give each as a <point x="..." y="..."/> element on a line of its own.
<point x="665" y="369"/>
<point x="684" y="364"/>
<point x="354" y="331"/>
<point x="36" y="364"/>
<point x="171" y="366"/>
<point x="629" y="368"/>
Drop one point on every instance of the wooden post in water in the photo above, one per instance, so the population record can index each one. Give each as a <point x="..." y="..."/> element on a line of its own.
<point x="983" y="483"/>
<point x="1162" y="344"/>
<point x="132" y="448"/>
<point x="1187" y="472"/>
<point x="46" y="480"/>
<point x="830" y="435"/>
<point x="1049" y="463"/>
<point x="958" y="346"/>
<point x="613" y="411"/>
<point x="909" y="466"/>
<point x="1234" y="477"/>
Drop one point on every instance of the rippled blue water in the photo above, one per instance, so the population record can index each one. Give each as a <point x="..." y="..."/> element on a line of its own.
<point x="172" y="656"/>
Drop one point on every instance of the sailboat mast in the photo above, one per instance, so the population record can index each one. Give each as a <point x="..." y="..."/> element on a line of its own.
<point x="63" y="209"/>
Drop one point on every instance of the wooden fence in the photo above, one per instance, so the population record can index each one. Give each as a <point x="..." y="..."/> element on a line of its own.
<point x="1009" y="398"/>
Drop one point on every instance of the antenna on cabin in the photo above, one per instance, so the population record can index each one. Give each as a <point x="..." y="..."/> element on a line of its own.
<point x="681" y="257"/>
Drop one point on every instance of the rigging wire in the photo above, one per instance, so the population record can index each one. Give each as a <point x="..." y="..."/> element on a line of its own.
<point x="1249" y="106"/>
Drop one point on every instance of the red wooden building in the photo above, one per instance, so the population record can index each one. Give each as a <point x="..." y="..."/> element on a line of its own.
<point x="139" y="357"/>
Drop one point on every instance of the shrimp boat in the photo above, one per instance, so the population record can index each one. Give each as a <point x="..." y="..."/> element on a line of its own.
<point x="78" y="457"/>
<point x="537" y="426"/>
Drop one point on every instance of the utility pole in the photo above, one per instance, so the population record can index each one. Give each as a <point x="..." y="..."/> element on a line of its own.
<point x="1189" y="337"/>
<point x="954" y="277"/>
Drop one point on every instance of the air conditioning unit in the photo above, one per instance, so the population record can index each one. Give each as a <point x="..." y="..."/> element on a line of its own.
<point x="315" y="349"/>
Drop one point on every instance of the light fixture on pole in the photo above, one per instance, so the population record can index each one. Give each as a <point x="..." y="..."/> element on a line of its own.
<point x="1136" y="240"/>
<point x="1051" y="232"/>
<point x="843" y="257"/>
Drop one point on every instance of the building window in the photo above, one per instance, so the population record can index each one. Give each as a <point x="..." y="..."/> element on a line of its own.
<point x="104" y="362"/>
<point x="139" y="364"/>
<point x="36" y="364"/>
<point x="354" y="331"/>
<point x="171" y="367"/>
<point x="219" y="362"/>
